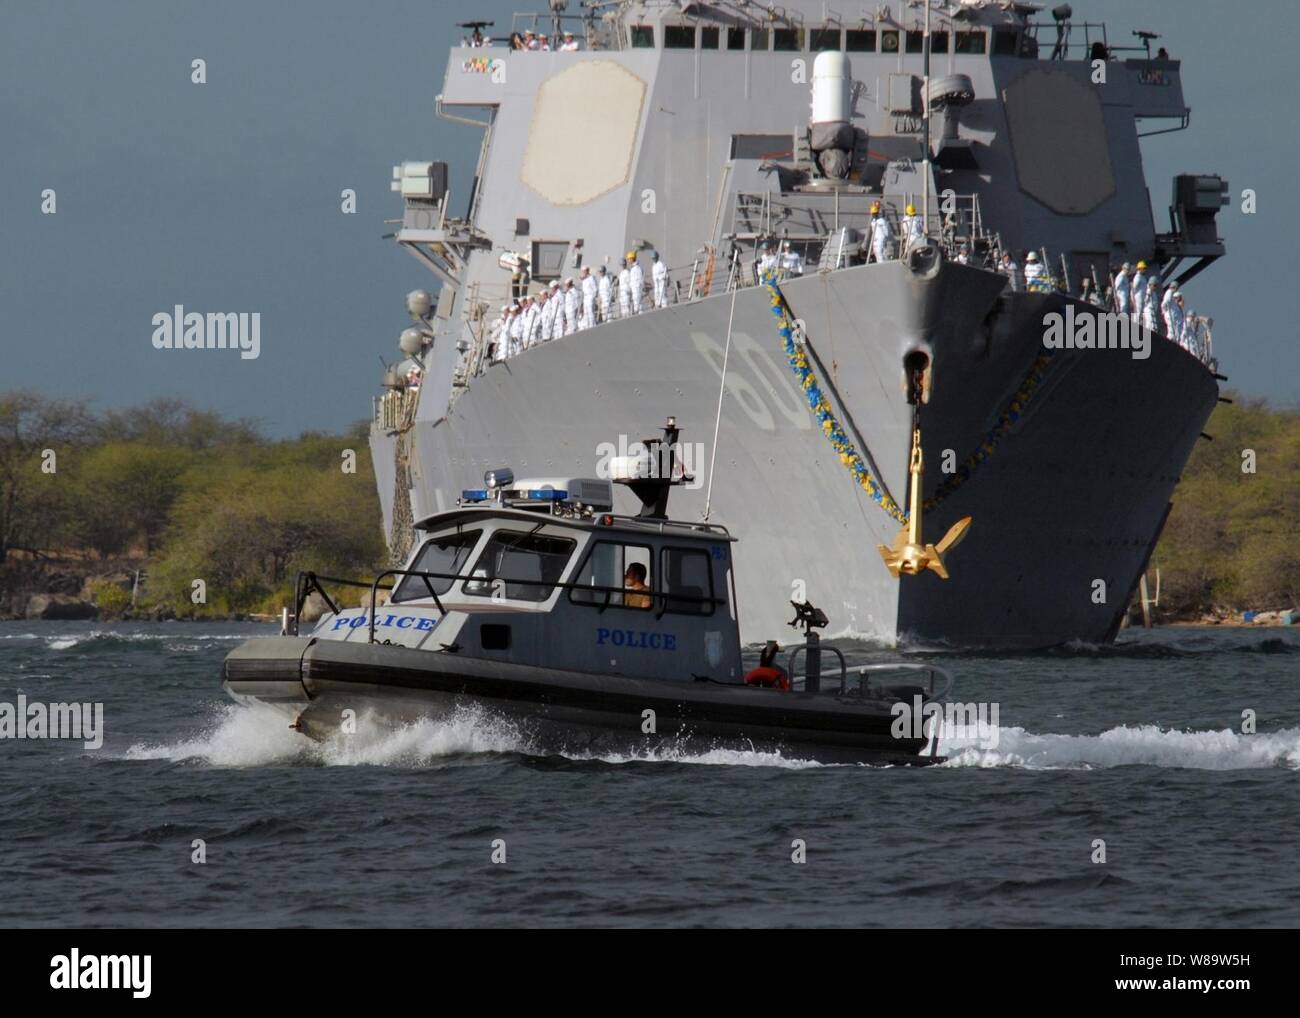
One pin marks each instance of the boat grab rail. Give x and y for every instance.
(821, 647)
(308, 582)
(933, 671)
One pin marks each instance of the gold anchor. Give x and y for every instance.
(909, 555)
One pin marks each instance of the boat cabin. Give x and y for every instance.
(542, 572)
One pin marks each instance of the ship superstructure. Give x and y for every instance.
(733, 138)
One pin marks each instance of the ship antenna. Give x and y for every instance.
(717, 421)
(925, 115)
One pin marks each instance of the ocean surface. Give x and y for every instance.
(1138, 745)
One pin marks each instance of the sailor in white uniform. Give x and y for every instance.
(545, 314)
(624, 291)
(767, 261)
(913, 230)
(570, 44)
(1151, 307)
(1008, 267)
(1034, 271)
(605, 292)
(1123, 287)
(659, 276)
(636, 281)
(1166, 305)
(557, 298)
(572, 300)
(516, 330)
(882, 234)
(589, 292)
(791, 262)
(1138, 297)
(499, 334)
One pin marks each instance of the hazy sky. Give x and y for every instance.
(225, 196)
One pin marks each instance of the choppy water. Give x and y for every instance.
(1137, 744)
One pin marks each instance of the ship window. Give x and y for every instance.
(735, 38)
(916, 42)
(758, 38)
(709, 37)
(1004, 44)
(687, 581)
(444, 554)
(889, 41)
(970, 42)
(787, 40)
(642, 36)
(860, 40)
(822, 39)
(522, 567)
(679, 36)
(601, 580)
(938, 42)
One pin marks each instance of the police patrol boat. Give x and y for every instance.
(884, 157)
(588, 630)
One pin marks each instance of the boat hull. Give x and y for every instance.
(1075, 490)
(315, 681)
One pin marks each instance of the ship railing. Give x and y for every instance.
(839, 237)
(594, 35)
(1074, 40)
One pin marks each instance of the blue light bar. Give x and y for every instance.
(548, 495)
(474, 495)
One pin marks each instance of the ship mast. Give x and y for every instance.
(925, 117)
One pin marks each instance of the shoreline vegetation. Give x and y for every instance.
(164, 511)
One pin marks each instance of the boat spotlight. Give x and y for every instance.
(499, 478)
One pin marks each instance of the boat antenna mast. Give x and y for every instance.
(652, 475)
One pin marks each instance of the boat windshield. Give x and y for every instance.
(522, 567)
(445, 554)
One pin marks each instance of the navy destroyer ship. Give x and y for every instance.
(918, 188)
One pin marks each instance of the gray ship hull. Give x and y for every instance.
(1074, 490)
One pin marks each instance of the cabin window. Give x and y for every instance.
(787, 40)
(822, 39)
(613, 576)
(758, 38)
(916, 42)
(970, 42)
(938, 42)
(1005, 44)
(709, 37)
(642, 36)
(889, 41)
(735, 38)
(679, 36)
(860, 40)
(522, 567)
(445, 554)
(686, 580)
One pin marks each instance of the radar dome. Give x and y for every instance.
(419, 303)
(412, 342)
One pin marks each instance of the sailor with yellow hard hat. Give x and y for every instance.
(1138, 293)
(913, 230)
(636, 280)
(881, 233)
